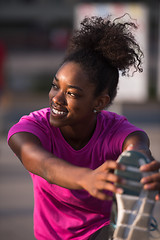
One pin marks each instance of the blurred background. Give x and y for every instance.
(33, 38)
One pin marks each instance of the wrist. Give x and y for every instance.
(66, 175)
(82, 178)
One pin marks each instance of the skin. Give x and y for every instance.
(72, 93)
(72, 102)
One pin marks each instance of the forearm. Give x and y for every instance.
(37, 160)
(64, 174)
(54, 170)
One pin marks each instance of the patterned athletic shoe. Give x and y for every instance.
(135, 205)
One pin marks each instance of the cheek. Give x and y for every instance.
(51, 94)
(72, 105)
(80, 107)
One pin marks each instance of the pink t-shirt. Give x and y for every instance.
(60, 213)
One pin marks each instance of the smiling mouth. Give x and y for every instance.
(58, 112)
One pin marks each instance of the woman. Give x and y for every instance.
(71, 148)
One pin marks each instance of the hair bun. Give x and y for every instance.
(114, 41)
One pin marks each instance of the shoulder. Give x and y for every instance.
(114, 122)
(39, 116)
(36, 123)
(116, 128)
(111, 118)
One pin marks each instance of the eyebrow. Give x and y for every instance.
(70, 86)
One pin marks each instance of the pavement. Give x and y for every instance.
(16, 197)
(16, 192)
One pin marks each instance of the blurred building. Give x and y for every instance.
(36, 32)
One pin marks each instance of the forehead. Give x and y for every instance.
(73, 73)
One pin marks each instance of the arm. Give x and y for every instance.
(139, 141)
(37, 160)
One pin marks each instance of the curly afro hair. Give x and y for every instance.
(103, 48)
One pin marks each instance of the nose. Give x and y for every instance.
(59, 98)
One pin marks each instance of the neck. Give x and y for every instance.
(77, 137)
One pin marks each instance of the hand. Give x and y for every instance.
(102, 178)
(152, 182)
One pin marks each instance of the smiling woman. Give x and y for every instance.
(72, 102)
(71, 148)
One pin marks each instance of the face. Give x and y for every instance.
(71, 97)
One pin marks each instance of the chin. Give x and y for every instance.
(56, 123)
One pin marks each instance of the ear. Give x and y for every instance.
(101, 102)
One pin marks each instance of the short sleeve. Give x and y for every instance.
(35, 123)
(122, 132)
(118, 130)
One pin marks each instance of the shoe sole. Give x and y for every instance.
(135, 205)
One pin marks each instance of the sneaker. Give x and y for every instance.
(135, 205)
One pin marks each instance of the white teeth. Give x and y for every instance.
(57, 112)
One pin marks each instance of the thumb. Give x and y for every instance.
(129, 147)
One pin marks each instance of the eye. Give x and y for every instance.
(71, 94)
(54, 86)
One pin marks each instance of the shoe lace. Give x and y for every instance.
(153, 224)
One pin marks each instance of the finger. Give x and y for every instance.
(152, 178)
(110, 187)
(102, 196)
(152, 186)
(112, 165)
(110, 177)
(153, 166)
